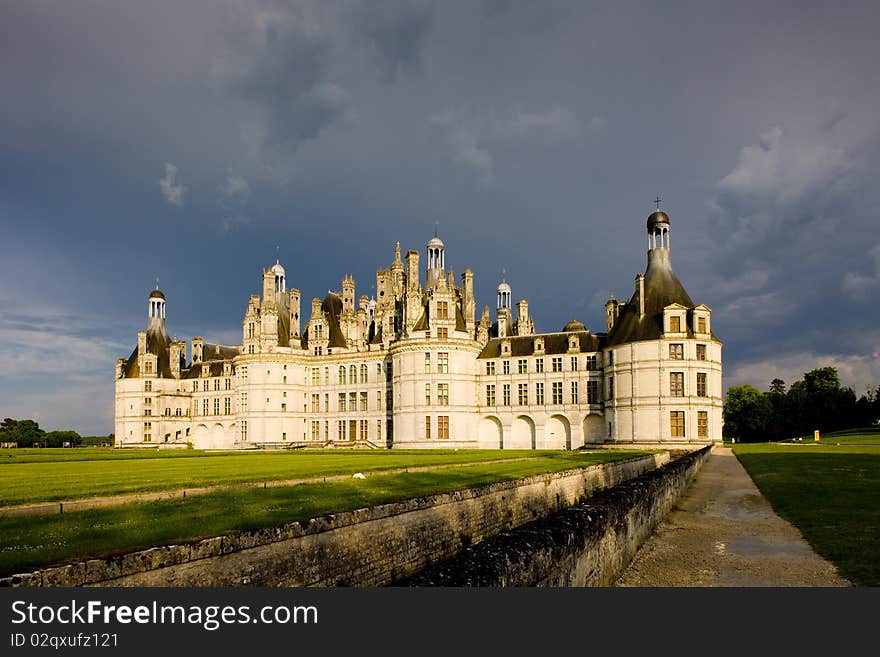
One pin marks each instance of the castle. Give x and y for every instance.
(415, 368)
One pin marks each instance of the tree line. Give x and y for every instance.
(27, 433)
(817, 401)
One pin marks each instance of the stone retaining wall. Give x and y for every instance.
(589, 544)
(366, 547)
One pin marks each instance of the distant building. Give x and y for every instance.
(415, 367)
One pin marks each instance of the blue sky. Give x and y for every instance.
(188, 141)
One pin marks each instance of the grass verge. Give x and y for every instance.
(27, 542)
(830, 492)
(35, 476)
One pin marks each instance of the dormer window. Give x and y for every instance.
(701, 325)
(675, 324)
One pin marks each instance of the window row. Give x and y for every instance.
(591, 363)
(676, 351)
(677, 424)
(206, 385)
(442, 430)
(556, 389)
(676, 384)
(350, 374)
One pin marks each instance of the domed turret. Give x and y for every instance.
(504, 295)
(574, 325)
(436, 260)
(278, 270)
(658, 228)
(156, 303)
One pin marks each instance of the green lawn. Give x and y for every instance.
(32, 541)
(830, 492)
(37, 475)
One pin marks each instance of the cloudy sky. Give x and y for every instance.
(191, 140)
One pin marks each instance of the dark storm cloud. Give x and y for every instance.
(535, 133)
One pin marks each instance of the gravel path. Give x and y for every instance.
(723, 532)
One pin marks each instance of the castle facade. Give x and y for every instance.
(415, 368)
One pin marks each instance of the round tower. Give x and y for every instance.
(658, 230)
(504, 295)
(280, 283)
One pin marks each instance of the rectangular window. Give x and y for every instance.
(326, 376)
(341, 402)
(557, 363)
(522, 366)
(610, 387)
(702, 424)
(676, 351)
(148, 401)
(283, 407)
(574, 364)
(611, 358)
(316, 376)
(442, 333)
(505, 366)
(341, 375)
(204, 407)
(574, 392)
(591, 363)
(443, 394)
(427, 427)
(557, 392)
(676, 424)
(378, 400)
(490, 367)
(675, 324)
(149, 411)
(148, 367)
(195, 386)
(216, 384)
(352, 401)
(443, 362)
(701, 384)
(340, 429)
(378, 429)
(701, 324)
(539, 365)
(490, 394)
(148, 386)
(427, 394)
(316, 430)
(244, 429)
(701, 352)
(244, 405)
(505, 394)
(243, 372)
(326, 403)
(316, 403)
(676, 384)
(539, 393)
(523, 394)
(364, 427)
(363, 401)
(427, 362)
(592, 391)
(442, 310)
(364, 373)
(443, 427)
(227, 405)
(205, 385)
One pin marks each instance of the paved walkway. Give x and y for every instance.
(723, 532)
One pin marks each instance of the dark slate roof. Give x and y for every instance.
(554, 344)
(422, 323)
(195, 370)
(283, 327)
(210, 352)
(332, 307)
(662, 288)
(459, 320)
(157, 344)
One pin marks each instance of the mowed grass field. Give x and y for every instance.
(830, 491)
(31, 541)
(37, 475)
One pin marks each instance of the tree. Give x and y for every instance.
(747, 412)
(777, 387)
(58, 438)
(27, 432)
(8, 425)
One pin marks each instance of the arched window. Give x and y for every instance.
(353, 374)
(342, 374)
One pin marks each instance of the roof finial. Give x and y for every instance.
(657, 201)
(157, 282)
(436, 226)
(277, 249)
(503, 275)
